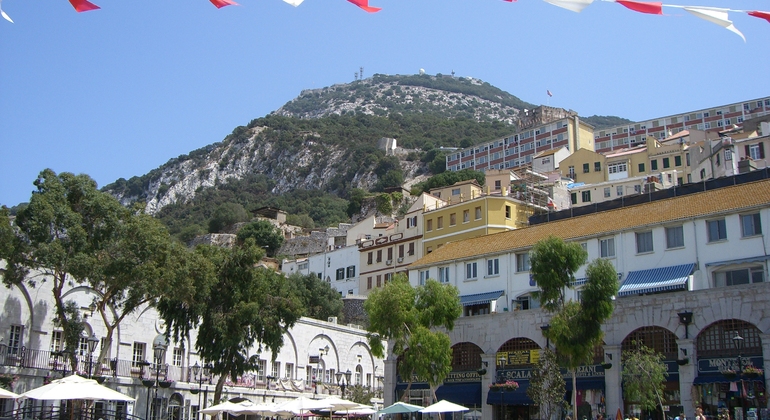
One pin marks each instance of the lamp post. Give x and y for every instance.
(267, 388)
(345, 383)
(738, 341)
(159, 352)
(92, 342)
(196, 369)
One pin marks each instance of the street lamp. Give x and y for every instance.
(267, 388)
(92, 342)
(196, 369)
(738, 341)
(345, 383)
(159, 352)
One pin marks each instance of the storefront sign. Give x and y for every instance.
(590, 371)
(466, 376)
(519, 357)
(719, 364)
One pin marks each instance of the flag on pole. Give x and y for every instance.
(549, 93)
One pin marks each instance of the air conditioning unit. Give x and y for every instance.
(400, 260)
(388, 262)
(332, 319)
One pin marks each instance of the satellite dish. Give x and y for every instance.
(422, 71)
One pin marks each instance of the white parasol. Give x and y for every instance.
(228, 407)
(75, 387)
(5, 394)
(444, 406)
(400, 408)
(299, 406)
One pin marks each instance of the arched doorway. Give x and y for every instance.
(514, 361)
(723, 384)
(175, 407)
(663, 342)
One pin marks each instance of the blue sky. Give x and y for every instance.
(119, 91)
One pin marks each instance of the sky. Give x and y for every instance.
(116, 92)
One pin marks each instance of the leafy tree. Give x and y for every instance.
(575, 326)
(227, 214)
(244, 306)
(302, 220)
(449, 178)
(393, 178)
(546, 386)
(386, 165)
(265, 234)
(359, 394)
(644, 376)
(357, 196)
(318, 297)
(407, 317)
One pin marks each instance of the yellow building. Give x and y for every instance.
(585, 166)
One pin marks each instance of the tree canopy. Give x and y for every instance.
(644, 376)
(319, 299)
(265, 234)
(407, 317)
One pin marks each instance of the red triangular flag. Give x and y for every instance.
(364, 4)
(761, 15)
(651, 7)
(222, 3)
(83, 5)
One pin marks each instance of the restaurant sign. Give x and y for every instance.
(719, 364)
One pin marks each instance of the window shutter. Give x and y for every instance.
(761, 150)
(748, 152)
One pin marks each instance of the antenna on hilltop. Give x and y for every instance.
(453, 73)
(355, 75)
(361, 72)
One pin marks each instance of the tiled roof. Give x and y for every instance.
(718, 201)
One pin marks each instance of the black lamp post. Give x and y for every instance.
(159, 352)
(738, 341)
(345, 383)
(92, 342)
(196, 369)
(685, 318)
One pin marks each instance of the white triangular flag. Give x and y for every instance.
(576, 6)
(715, 15)
(2, 13)
(294, 3)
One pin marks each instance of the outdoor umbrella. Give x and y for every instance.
(475, 414)
(228, 407)
(443, 406)
(300, 405)
(4, 394)
(400, 408)
(342, 406)
(264, 410)
(75, 387)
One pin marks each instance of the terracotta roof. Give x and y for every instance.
(718, 201)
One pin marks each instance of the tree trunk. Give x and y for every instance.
(218, 389)
(574, 395)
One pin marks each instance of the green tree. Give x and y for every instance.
(265, 234)
(244, 306)
(357, 196)
(302, 220)
(226, 215)
(644, 376)
(359, 394)
(407, 317)
(318, 297)
(546, 386)
(575, 325)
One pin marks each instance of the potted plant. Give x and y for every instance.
(729, 373)
(511, 385)
(752, 372)
(165, 383)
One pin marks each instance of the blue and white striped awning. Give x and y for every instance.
(581, 281)
(657, 280)
(760, 258)
(480, 298)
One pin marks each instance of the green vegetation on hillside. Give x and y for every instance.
(601, 122)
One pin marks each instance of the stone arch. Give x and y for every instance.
(514, 348)
(466, 356)
(659, 339)
(717, 339)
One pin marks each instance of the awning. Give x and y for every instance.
(582, 384)
(656, 280)
(415, 385)
(467, 394)
(518, 397)
(718, 378)
(760, 258)
(480, 298)
(583, 280)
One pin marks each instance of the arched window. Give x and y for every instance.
(465, 357)
(717, 340)
(517, 352)
(659, 339)
(359, 375)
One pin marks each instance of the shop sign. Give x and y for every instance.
(719, 364)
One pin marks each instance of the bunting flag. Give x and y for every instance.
(364, 4)
(549, 93)
(222, 3)
(651, 7)
(2, 13)
(761, 15)
(576, 6)
(294, 3)
(83, 5)
(715, 15)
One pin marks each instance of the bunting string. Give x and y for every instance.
(715, 15)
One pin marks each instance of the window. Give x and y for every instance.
(573, 198)
(452, 219)
(470, 271)
(429, 225)
(478, 213)
(493, 267)
(750, 225)
(616, 168)
(637, 189)
(424, 276)
(440, 222)
(606, 192)
(466, 216)
(401, 251)
(619, 190)
(443, 274)
(571, 172)
(379, 255)
(57, 342)
(340, 274)
(597, 166)
(498, 185)
(666, 163)
(525, 303)
(607, 248)
(643, 242)
(177, 356)
(507, 212)
(351, 271)
(755, 151)
(390, 253)
(739, 276)
(14, 339)
(138, 354)
(369, 283)
(289, 369)
(677, 161)
(586, 196)
(522, 262)
(586, 168)
(654, 164)
(674, 237)
(369, 258)
(379, 280)
(717, 231)
(411, 248)
(455, 191)
(388, 277)
(641, 167)
(276, 372)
